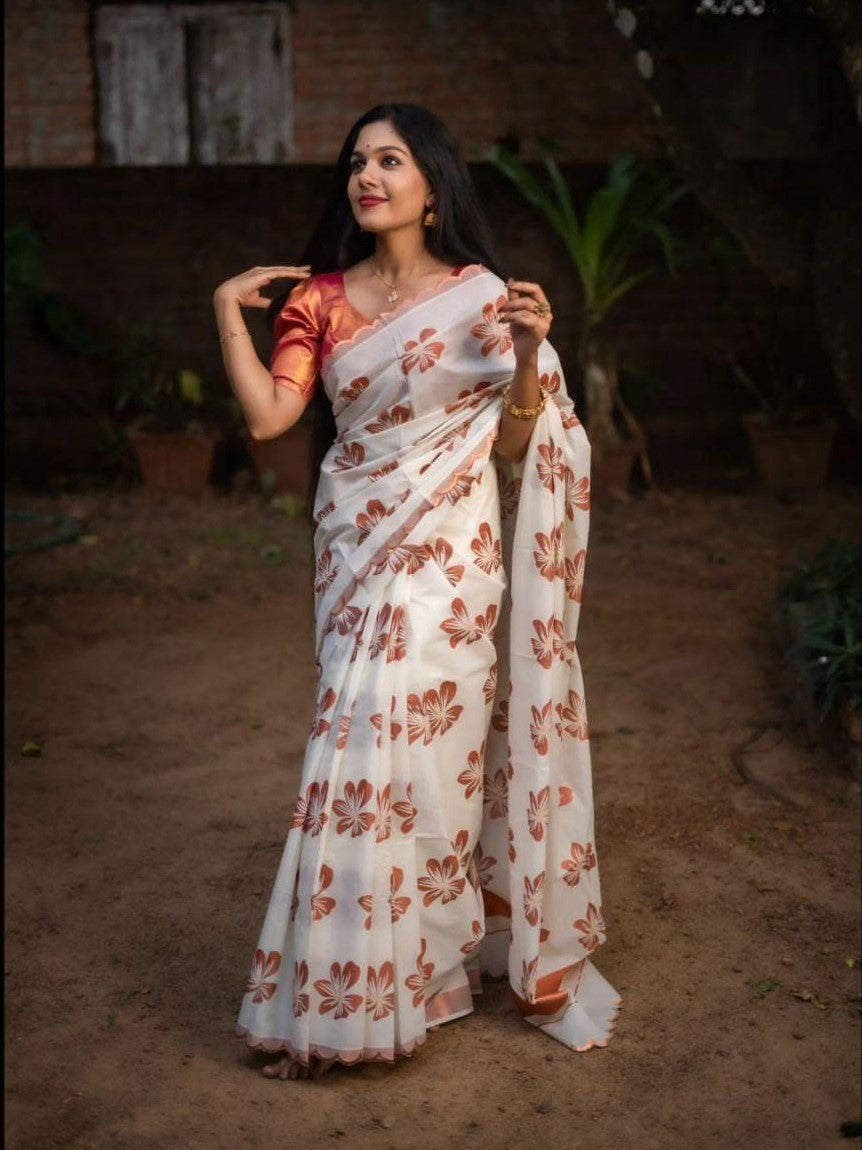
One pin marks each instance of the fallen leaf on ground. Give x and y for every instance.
(809, 996)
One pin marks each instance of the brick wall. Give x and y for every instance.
(490, 68)
(487, 68)
(133, 244)
(49, 109)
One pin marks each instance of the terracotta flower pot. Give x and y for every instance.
(286, 458)
(790, 460)
(174, 461)
(612, 469)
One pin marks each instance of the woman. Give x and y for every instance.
(444, 825)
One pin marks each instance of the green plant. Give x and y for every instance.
(153, 398)
(822, 594)
(55, 322)
(622, 220)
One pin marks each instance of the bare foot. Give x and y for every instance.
(290, 1067)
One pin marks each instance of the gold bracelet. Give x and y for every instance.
(231, 335)
(523, 412)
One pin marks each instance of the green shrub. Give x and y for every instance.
(822, 594)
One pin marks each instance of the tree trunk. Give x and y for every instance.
(601, 389)
(776, 242)
(836, 286)
(773, 239)
(841, 18)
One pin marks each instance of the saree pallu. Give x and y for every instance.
(444, 823)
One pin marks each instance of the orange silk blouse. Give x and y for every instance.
(316, 316)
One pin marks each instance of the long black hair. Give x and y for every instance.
(461, 235)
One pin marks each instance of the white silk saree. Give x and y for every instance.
(444, 824)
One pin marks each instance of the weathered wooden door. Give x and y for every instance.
(195, 84)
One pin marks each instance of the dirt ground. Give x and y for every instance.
(163, 664)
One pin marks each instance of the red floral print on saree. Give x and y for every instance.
(444, 825)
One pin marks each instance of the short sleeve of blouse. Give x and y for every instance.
(298, 332)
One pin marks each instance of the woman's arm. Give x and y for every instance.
(269, 409)
(515, 434)
(529, 313)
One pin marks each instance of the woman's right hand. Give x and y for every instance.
(245, 288)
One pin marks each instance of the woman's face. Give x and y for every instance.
(386, 189)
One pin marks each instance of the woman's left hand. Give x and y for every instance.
(527, 327)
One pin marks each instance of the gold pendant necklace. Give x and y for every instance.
(393, 290)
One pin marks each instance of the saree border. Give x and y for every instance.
(347, 1057)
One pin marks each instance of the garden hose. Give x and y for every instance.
(68, 529)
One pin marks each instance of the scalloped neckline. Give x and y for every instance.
(454, 275)
(369, 328)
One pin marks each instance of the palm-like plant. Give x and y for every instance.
(621, 220)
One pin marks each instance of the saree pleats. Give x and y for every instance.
(444, 824)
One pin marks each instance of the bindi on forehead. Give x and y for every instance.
(379, 138)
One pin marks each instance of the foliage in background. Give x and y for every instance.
(780, 365)
(641, 389)
(822, 594)
(619, 223)
(152, 398)
(807, 244)
(52, 321)
(26, 299)
(148, 394)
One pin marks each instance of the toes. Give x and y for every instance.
(291, 1068)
